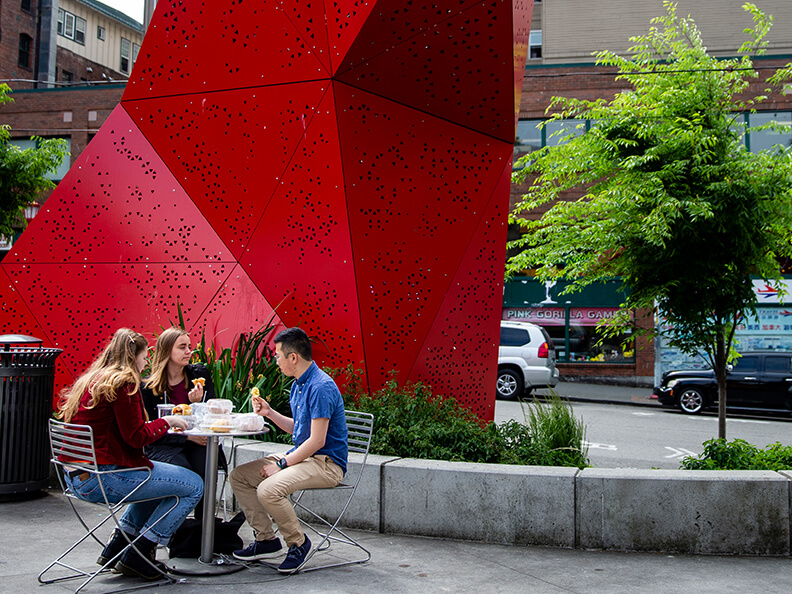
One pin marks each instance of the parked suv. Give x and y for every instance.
(526, 359)
(758, 380)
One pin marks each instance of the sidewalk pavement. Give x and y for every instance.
(603, 394)
(35, 531)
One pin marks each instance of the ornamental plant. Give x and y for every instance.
(412, 422)
(739, 455)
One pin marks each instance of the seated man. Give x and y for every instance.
(318, 458)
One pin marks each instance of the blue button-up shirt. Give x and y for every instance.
(314, 395)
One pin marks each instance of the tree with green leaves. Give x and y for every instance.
(22, 173)
(673, 204)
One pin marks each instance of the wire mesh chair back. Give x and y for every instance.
(360, 427)
(75, 442)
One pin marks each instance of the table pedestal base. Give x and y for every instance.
(218, 566)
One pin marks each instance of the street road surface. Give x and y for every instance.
(644, 437)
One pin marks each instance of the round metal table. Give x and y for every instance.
(209, 563)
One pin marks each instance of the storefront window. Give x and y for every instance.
(586, 342)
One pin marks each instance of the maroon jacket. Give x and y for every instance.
(120, 429)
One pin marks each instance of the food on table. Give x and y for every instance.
(249, 422)
(219, 406)
(221, 426)
(182, 409)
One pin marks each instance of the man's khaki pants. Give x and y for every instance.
(264, 500)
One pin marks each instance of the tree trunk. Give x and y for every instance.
(720, 375)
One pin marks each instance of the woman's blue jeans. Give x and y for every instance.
(166, 481)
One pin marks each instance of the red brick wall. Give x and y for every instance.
(78, 66)
(13, 22)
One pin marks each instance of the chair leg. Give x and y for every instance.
(326, 538)
(91, 533)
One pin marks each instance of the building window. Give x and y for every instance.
(535, 45)
(100, 33)
(125, 47)
(71, 26)
(67, 76)
(79, 30)
(780, 136)
(24, 50)
(529, 139)
(27, 6)
(135, 50)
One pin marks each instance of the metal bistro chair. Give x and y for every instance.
(359, 426)
(77, 442)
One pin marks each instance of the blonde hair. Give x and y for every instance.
(115, 368)
(158, 380)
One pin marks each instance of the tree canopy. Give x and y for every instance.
(22, 173)
(673, 203)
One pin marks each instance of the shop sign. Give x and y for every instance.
(767, 293)
(555, 316)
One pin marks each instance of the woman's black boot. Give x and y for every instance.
(132, 564)
(117, 544)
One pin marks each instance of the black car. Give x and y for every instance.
(758, 380)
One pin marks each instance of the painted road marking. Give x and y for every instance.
(599, 446)
(643, 414)
(729, 420)
(679, 453)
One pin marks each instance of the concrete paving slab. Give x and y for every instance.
(35, 531)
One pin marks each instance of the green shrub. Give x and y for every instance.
(739, 455)
(411, 422)
(248, 363)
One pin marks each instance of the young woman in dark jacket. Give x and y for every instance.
(172, 382)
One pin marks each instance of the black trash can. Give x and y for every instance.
(27, 381)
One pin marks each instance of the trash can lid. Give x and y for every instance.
(19, 339)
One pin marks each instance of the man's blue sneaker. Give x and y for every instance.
(295, 556)
(260, 549)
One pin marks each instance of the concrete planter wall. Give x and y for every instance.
(675, 511)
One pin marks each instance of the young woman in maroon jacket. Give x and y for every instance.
(107, 397)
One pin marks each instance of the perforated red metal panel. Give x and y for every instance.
(476, 287)
(345, 20)
(394, 22)
(119, 203)
(16, 318)
(237, 307)
(437, 71)
(413, 207)
(229, 149)
(201, 46)
(300, 256)
(243, 176)
(80, 305)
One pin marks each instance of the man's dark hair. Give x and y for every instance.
(295, 340)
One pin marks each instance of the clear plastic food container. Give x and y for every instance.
(219, 406)
(217, 423)
(248, 422)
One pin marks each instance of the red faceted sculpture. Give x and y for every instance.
(343, 165)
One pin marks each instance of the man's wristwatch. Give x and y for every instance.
(282, 463)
